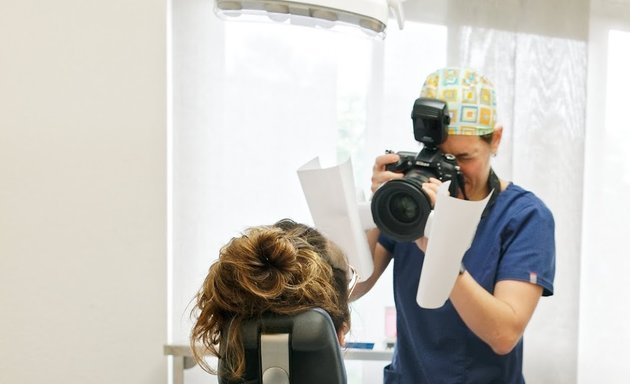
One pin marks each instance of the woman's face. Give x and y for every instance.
(473, 157)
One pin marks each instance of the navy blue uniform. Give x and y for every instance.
(514, 241)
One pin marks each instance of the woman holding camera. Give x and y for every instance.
(476, 337)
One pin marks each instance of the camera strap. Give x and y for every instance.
(494, 184)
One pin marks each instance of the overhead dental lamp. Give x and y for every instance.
(369, 15)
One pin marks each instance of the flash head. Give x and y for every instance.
(430, 121)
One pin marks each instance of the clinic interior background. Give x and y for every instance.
(137, 137)
(254, 102)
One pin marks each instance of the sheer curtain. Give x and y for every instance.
(543, 113)
(251, 103)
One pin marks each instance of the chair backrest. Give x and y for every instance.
(300, 349)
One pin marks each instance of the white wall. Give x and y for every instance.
(82, 191)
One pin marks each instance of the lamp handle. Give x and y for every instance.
(397, 9)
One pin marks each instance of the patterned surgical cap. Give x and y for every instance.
(470, 97)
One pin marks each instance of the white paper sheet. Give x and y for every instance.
(453, 228)
(331, 198)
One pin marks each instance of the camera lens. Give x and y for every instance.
(403, 208)
(400, 208)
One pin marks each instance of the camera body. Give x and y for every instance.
(419, 167)
(400, 208)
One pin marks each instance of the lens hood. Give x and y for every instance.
(400, 209)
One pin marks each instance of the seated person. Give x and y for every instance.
(285, 269)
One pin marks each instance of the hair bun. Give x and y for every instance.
(261, 264)
(272, 248)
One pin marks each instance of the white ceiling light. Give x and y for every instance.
(370, 15)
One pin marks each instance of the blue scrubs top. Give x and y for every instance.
(514, 241)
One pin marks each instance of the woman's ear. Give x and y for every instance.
(341, 333)
(497, 134)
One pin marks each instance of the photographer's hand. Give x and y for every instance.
(379, 174)
(422, 243)
(431, 188)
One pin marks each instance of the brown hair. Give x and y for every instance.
(487, 137)
(285, 269)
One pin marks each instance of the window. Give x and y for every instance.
(254, 102)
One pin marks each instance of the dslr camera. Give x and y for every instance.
(400, 207)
